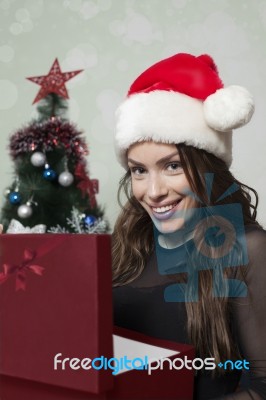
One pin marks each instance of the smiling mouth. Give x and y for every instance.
(166, 212)
(161, 210)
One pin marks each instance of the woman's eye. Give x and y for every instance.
(137, 170)
(174, 166)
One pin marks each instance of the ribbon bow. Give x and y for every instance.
(16, 227)
(20, 270)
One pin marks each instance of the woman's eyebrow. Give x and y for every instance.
(135, 162)
(166, 158)
(162, 160)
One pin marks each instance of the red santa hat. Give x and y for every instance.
(182, 100)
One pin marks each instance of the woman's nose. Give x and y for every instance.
(156, 187)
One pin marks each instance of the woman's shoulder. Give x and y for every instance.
(255, 238)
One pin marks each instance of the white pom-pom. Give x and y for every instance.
(228, 108)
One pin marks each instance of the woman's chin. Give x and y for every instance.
(169, 226)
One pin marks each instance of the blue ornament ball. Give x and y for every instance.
(90, 220)
(49, 174)
(14, 198)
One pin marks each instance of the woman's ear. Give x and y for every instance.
(1, 228)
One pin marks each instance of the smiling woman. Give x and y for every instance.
(188, 252)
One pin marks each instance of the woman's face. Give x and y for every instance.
(160, 184)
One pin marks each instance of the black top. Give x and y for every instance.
(141, 306)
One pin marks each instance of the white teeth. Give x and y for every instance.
(164, 209)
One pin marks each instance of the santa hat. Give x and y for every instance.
(182, 100)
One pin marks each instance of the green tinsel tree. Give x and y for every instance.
(51, 183)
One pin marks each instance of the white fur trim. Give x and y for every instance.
(228, 108)
(167, 117)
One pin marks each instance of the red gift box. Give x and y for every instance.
(55, 297)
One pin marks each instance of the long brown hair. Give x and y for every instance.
(207, 319)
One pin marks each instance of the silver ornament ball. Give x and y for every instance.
(65, 178)
(38, 159)
(7, 192)
(24, 211)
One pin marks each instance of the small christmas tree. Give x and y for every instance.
(51, 185)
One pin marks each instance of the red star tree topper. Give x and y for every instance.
(53, 82)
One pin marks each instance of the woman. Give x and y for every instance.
(188, 253)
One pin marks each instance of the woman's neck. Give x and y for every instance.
(174, 239)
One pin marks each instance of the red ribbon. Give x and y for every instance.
(27, 263)
(86, 185)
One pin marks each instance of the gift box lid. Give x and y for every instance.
(160, 380)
